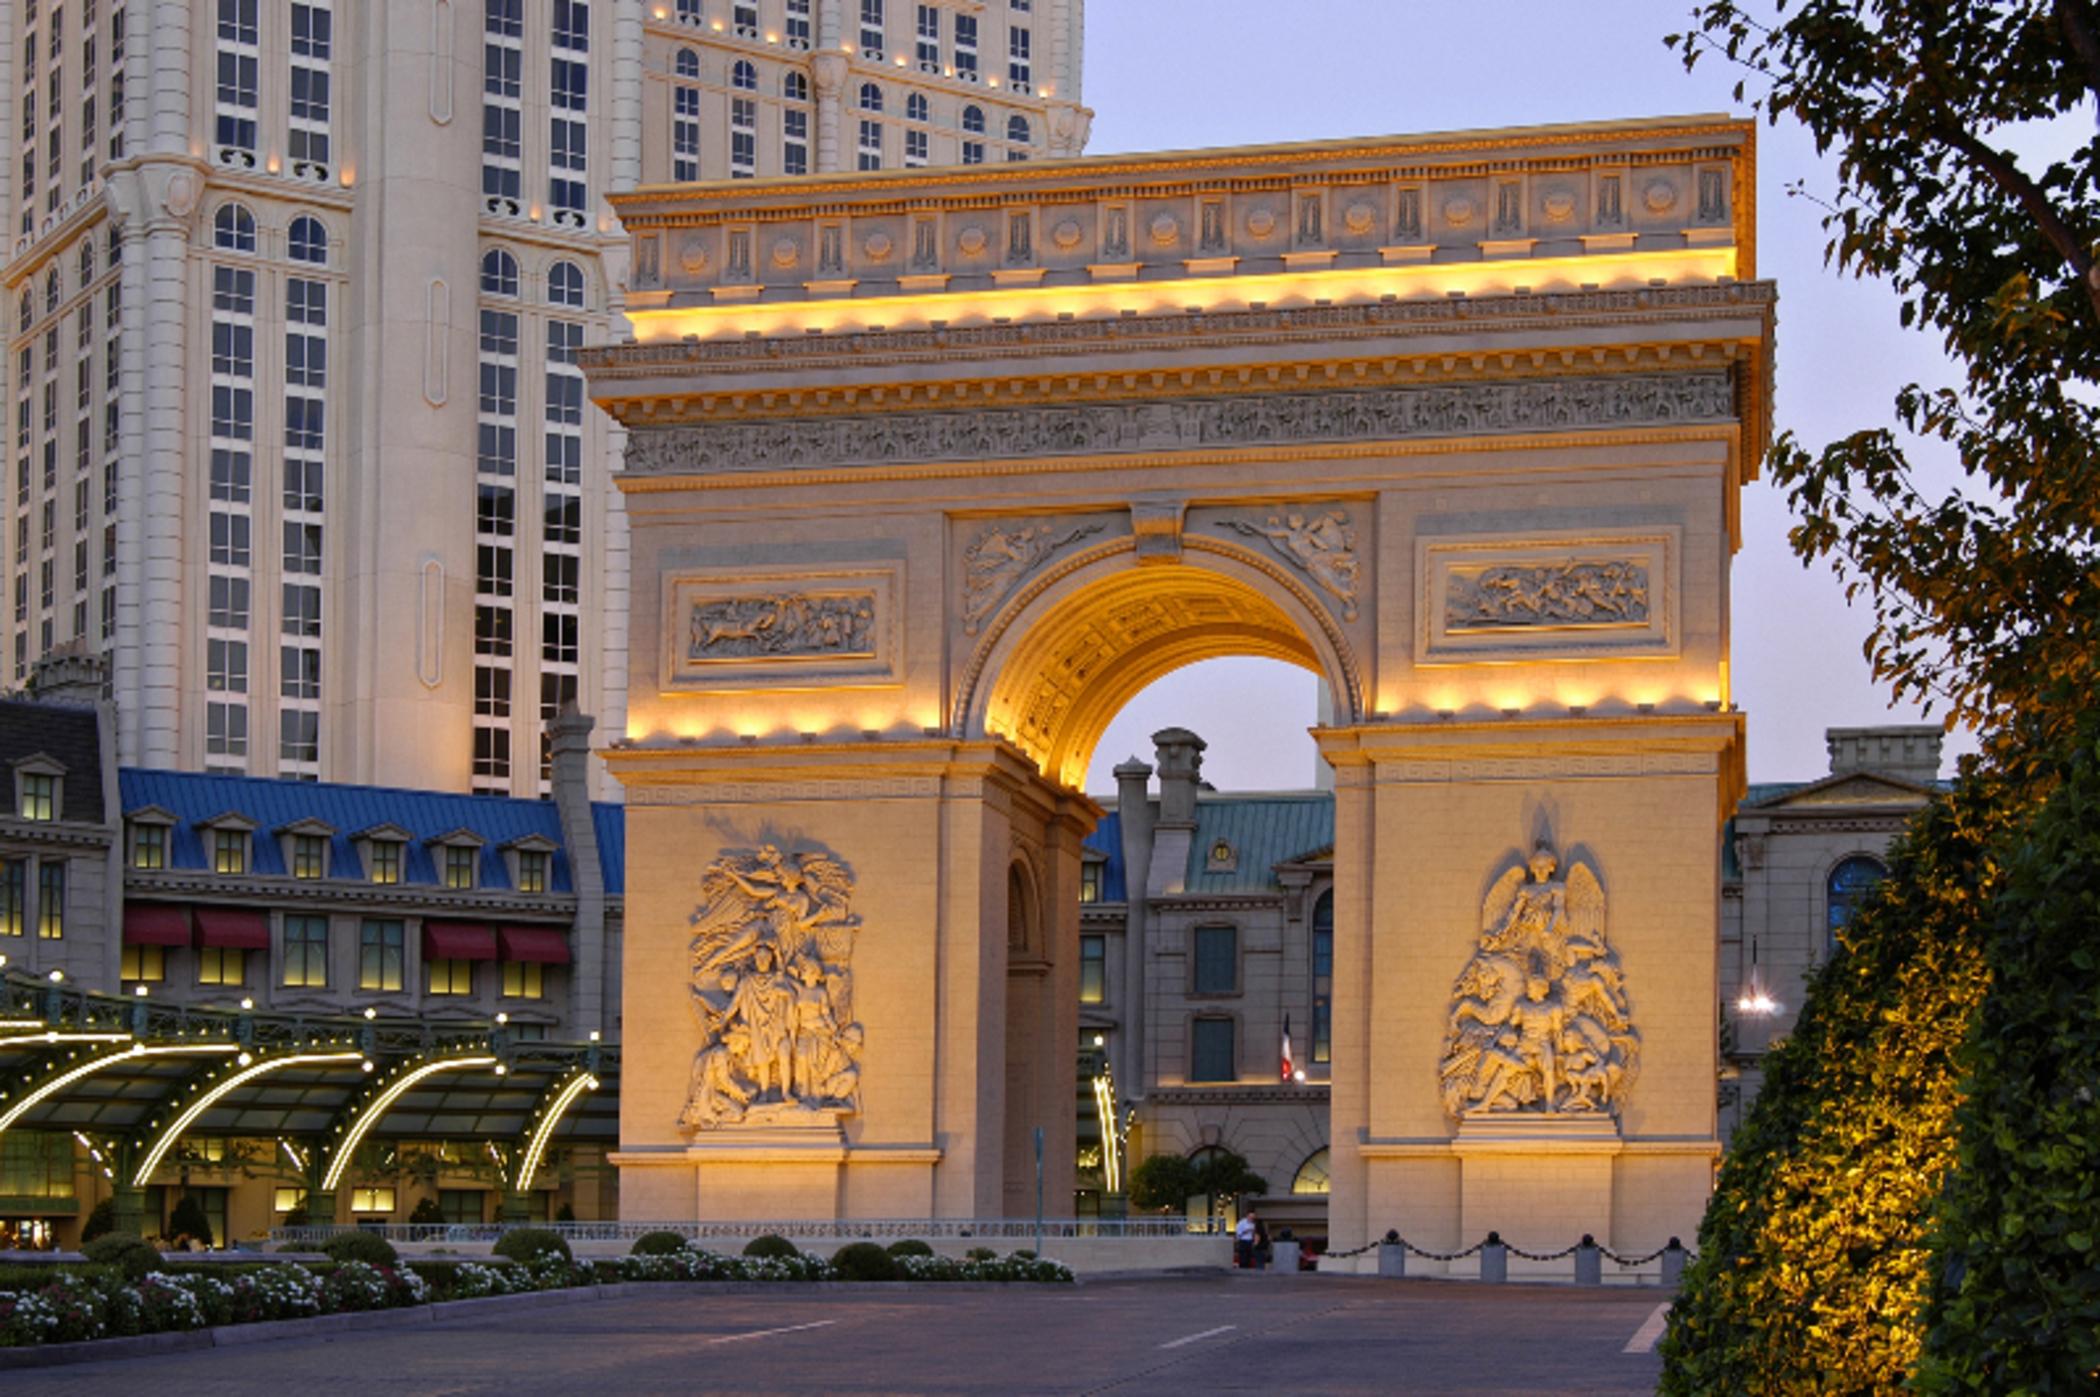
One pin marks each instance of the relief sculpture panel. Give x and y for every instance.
(1609, 593)
(1490, 598)
(785, 624)
(726, 628)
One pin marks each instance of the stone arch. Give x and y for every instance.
(1071, 648)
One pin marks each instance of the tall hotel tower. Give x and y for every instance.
(299, 443)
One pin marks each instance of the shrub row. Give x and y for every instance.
(60, 1304)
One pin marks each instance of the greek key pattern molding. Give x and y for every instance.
(1617, 400)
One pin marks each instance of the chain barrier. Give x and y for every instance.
(1495, 1239)
(1542, 1256)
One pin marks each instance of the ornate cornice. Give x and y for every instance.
(409, 899)
(611, 365)
(1309, 1094)
(1620, 400)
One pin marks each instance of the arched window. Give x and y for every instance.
(309, 241)
(870, 97)
(1850, 883)
(233, 228)
(499, 273)
(51, 291)
(1312, 1175)
(565, 284)
(28, 316)
(743, 77)
(795, 87)
(1020, 912)
(687, 63)
(87, 260)
(917, 108)
(973, 120)
(1017, 130)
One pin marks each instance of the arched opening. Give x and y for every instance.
(1256, 714)
(1060, 665)
(1028, 1037)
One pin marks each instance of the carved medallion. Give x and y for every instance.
(1660, 196)
(1261, 223)
(1322, 546)
(771, 982)
(973, 242)
(878, 247)
(1539, 1019)
(1459, 210)
(785, 253)
(1610, 593)
(1358, 218)
(1003, 554)
(1559, 206)
(1067, 234)
(692, 254)
(1166, 229)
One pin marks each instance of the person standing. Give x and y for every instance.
(1243, 1242)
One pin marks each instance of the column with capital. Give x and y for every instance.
(828, 73)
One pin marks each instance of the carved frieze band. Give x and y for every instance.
(766, 792)
(735, 626)
(782, 625)
(1618, 400)
(1496, 597)
(1612, 593)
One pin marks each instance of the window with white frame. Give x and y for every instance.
(870, 145)
(237, 56)
(928, 50)
(966, 47)
(230, 518)
(685, 118)
(569, 131)
(871, 38)
(495, 522)
(743, 138)
(1018, 68)
(312, 49)
(798, 24)
(794, 126)
(973, 126)
(743, 17)
(1018, 137)
(305, 451)
(502, 106)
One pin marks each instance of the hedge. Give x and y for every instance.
(1812, 1266)
(2017, 1306)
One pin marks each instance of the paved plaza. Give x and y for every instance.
(1250, 1333)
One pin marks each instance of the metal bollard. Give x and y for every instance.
(1589, 1262)
(1673, 1264)
(1392, 1256)
(1494, 1259)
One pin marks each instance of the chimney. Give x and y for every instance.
(1908, 753)
(70, 675)
(1180, 775)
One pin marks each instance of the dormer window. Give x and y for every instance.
(229, 851)
(383, 861)
(458, 859)
(149, 846)
(459, 866)
(1223, 858)
(532, 870)
(37, 797)
(1090, 881)
(309, 856)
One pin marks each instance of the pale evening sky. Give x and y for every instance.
(1173, 74)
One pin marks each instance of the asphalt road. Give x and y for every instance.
(1271, 1334)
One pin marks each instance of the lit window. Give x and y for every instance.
(309, 856)
(222, 965)
(284, 1198)
(306, 952)
(143, 964)
(149, 846)
(14, 895)
(1217, 960)
(51, 899)
(1093, 969)
(1850, 883)
(1323, 978)
(1312, 1175)
(523, 979)
(459, 865)
(38, 799)
(1212, 1055)
(380, 954)
(371, 1200)
(384, 856)
(229, 851)
(532, 870)
(1090, 881)
(451, 977)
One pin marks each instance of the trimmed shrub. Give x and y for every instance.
(769, 1246)
(367, 1247)
(101, 1221)
(131, 1256)
(657, 1244)
(467, 1280)
(980, 1254)
(2016, 1307)
(864, 1261)
(426, 1211)
(530, 1244)
(187, 1220)
(1812, 1266)
(910, 1246)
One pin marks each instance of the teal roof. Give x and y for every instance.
(1263, 830)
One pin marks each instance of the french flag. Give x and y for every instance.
(1287, 1073)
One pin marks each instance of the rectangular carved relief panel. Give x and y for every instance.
(1484, 598)
(794, 628)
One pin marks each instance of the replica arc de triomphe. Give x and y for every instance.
(929, 472)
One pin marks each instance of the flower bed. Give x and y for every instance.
(76, 1303)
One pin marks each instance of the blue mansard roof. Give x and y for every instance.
(194, 797)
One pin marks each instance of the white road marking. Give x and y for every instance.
(1643, 1340)
(1192, 1338)
(764, 1333)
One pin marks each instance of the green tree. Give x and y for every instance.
(1162, 1182)
(1985, 596)
(187, 1219)
(1224, 1174)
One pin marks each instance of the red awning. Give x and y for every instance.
(544, 944)
(236, 928)
(156, 924)
(458, 941)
